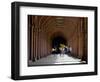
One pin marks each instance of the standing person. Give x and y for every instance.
(69, 50)
(62, 49)
(66, 49)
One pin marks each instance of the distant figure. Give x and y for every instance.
(69, 50)
(53, 50)
(58, 50)
(66, 49)
(62, 49)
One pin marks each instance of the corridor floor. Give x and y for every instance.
(56, 59)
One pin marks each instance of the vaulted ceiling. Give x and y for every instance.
(51, 24)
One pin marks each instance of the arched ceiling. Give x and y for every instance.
(52, 24)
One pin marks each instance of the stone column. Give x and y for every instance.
(32, 27)
(29, 37)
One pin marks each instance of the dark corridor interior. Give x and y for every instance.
(56, 41)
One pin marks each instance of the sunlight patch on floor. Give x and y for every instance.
(56, 59)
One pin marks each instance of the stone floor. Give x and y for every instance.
(57, 59)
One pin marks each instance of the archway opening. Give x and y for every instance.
(56, 43)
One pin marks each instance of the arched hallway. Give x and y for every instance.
(49, 36)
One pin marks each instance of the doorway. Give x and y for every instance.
(56, 42)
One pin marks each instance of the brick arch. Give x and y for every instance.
(58, 33)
